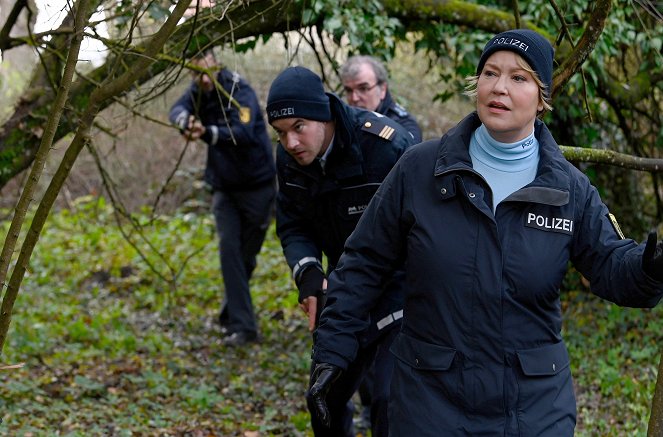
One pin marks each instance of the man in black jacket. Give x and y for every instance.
(330, 161)
(221, 109)
(365, 85)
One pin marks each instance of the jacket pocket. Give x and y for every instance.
(544, 361)
(422, 355)
(431, 372)
(545, 399)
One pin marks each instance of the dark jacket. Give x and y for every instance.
(317, 210)
(480, 350)
(397, 113)
(239, 155)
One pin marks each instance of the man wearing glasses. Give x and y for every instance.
(365, 85)
(221, 109)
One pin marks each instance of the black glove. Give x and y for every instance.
(324, 374)
(652, 258)
(310, 283)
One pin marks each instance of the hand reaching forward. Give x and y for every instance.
(652, 258)
(312, 306)
(324, 374)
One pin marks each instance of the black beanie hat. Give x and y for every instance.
(534, 48)
(297, 92)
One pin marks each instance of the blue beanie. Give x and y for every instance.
(297, 92)
(534, 48)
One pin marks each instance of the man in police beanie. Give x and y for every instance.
(330, 161)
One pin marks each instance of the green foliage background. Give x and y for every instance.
(111, 348)
(123, 342)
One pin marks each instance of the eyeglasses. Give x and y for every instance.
(361, 89)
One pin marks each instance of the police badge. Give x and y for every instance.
(244, 114)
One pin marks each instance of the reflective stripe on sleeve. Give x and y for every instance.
(215, 134)
(388, 320)
(298, 268)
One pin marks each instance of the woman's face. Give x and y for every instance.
(507, 98)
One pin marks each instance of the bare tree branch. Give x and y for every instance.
(9, 24)
(609, 157)
(585, 46)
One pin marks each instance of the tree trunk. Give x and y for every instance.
(655, 428)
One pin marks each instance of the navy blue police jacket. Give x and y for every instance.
(240, 154)
(400, 115)
(316, 209)
(480, 350)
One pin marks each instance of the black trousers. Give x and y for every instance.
(341, 391)
(242, 218)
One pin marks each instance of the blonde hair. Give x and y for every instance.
(473, 81)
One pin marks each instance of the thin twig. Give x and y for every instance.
(516, 13)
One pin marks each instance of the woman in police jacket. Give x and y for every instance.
(486, 220)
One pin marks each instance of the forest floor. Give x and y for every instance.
(120, 339)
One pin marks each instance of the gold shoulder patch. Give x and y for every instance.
(615, 225)
(377, 127)
(244, 114)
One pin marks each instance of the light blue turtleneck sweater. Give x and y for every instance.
(507, 167)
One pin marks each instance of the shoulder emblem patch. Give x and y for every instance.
(244, 114)
(379, 129)
(615, 225)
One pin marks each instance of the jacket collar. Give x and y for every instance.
(346, 159)
(343, 115)
(552, 182)
(453, 153)
(385, 104)
(552, 171)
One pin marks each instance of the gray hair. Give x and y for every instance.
(350, 69)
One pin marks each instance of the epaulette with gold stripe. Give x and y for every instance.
(377, 127)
